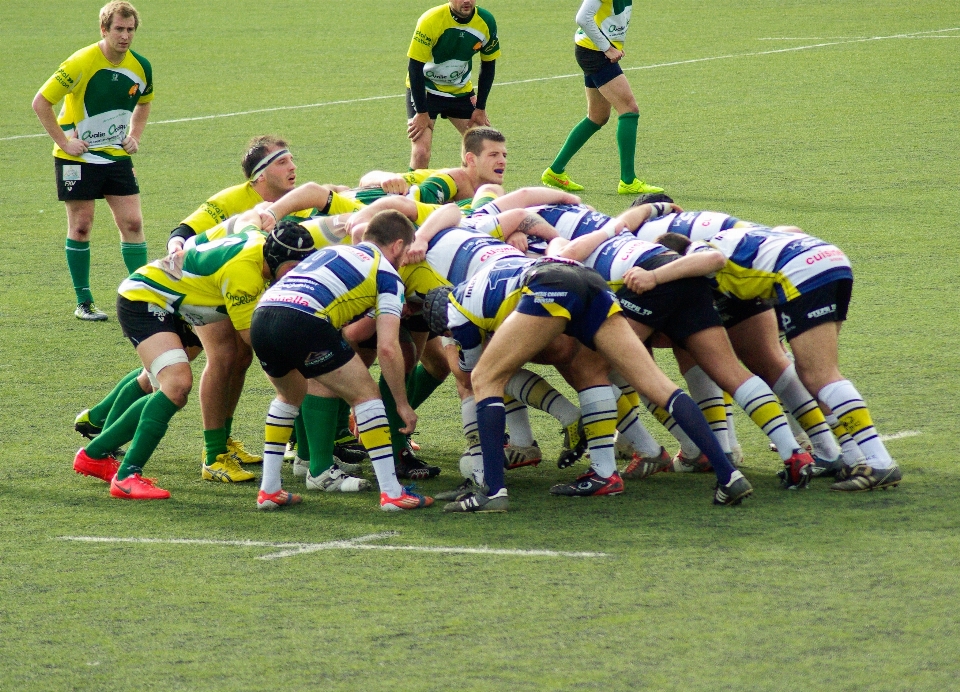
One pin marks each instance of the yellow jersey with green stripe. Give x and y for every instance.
(340, 283)
(446, 44)
(611, 18)
(210, 282)
(98, 101)
(243, 197)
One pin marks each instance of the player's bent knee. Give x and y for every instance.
(178, 387)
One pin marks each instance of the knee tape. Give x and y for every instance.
(171, 357)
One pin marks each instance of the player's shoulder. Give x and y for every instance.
(236, 193)
(84, 57)
(144, 64)
(435, 15)
(487, 17)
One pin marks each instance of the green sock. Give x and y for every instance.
(420, 385)
(343, 422)
(129, 395)
(134, 255)
(214, 444)
(228, 426)
(98, 414)
(303, 443)
(118, 433)
(320, 423)
(397, 439)
(627, 145)
(584, 130)
(78, 262)
(157, 412)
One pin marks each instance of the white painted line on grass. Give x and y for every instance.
(917, 34)
(359, 543)
(900, 435)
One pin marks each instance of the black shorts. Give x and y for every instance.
(676, 308)
(139, 321)
(578, 294)
(460, 107)
(597, 68)
(828, 303)
(286, 339)
(78, 180)
(733, 311)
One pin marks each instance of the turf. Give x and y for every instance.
(851, 135)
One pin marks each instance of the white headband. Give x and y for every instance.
(266, 161)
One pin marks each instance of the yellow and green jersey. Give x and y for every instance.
(610, 20)
(98, 101)
(210, 282)
(320, 231)
(446, 45)
(240, 198)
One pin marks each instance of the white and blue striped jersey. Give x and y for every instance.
(614, 257)
(340, 283)
(775, 265)
(696, 225)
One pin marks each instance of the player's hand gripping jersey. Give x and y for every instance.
(446, 47)
(570, 220)
(207, 283)
(318, 227)
(340, 283)
(453, 256)
(774, 265)
(614, 257)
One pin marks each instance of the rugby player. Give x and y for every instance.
(296, 337)
(215, 286)
(107, 90)
(483, 156)
(439, 72)
(810, 282)
(753, 331)
(683, 310)
(599, 48)
(512, 310)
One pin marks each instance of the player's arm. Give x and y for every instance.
(447, 216)
(584, 246)
(390, 357)
(138, 121)
(44, 110)
(587, 21)
(526, 222)
(488, 69)
(392, 183)
(534, 196)
(635, 217)
(307, 196)
(696, 264)
(420, 122)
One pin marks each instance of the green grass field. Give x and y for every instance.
(838, 117)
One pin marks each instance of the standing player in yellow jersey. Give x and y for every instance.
(599, 49)
(106, 90)
(438, 74)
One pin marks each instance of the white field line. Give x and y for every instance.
(900, 435)
(536, 79)
(360, 543)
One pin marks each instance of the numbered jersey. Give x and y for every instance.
(207, 283)
(453, 256)
(776, 266)
(340, 283)
(696, 225)
(614, 257)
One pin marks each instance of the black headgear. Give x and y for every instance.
(651, 198)
(288, 242)
(435, 308)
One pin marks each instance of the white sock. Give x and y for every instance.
(518, 423)
(369, 416)
(849, 407)
(280, 419)
(798, 401)
(709, 398)
(756, 398)
(599, 410)
(535, 391)
(687, 446)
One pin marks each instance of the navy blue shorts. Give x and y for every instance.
(828, 303)
(286, 339)
(597, 68)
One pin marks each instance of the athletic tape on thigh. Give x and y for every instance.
(171, 357)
